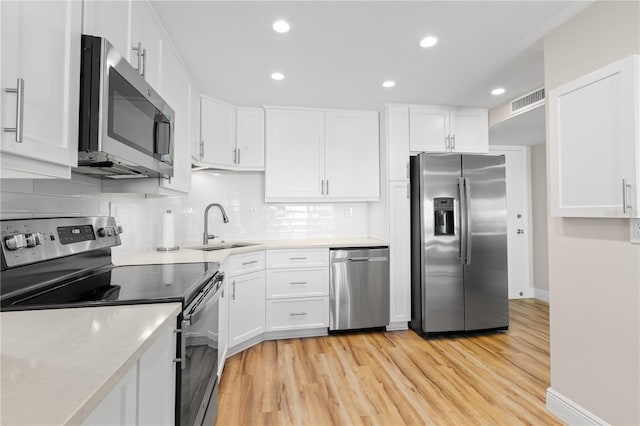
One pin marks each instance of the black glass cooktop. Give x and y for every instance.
(117, 285)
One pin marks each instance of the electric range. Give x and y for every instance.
(54, 263)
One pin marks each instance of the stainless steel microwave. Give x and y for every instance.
(126, 128)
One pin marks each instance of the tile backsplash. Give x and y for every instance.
(241, 193)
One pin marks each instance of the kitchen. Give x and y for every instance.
(582, 253)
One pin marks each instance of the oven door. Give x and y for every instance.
(199, 355)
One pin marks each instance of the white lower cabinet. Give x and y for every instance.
(294, 314)
(146, 394)
(400, 251)
(297, 289)
(246, 307)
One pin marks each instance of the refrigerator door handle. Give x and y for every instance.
(462, 214)
(467, 213)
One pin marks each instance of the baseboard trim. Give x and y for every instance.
(541, 294)
(570, 412)
(398, 325)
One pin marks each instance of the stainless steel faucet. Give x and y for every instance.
(206, 237)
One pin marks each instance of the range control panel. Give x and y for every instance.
(27, 241)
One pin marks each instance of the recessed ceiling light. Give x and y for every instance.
(428, 41)
(388, 84)
(277, 76)
(281, 26)
(497, 91)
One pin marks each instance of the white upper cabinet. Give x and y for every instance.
(594, 146)
(146, 43)
(218, 133)
(321, 156)
(445, 129)
(44, 109)
(396, 125)
(232, 137)
(109, 19)
(250, 138)
(294, 162)
(351, 155)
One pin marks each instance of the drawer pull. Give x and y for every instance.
(297, 282)
(297, 314)
(249, 263)
(297, 258)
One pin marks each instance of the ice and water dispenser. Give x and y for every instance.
(443, 216)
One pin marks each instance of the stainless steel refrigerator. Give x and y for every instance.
(458, 243)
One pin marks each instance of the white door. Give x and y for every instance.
(146, 30)
(518, 219)
(246, 307)
(40, 46)
(218, 132)
(250, 138)
(400, 251)
(109, 19)
(175, 90)
(469, 130)
(428, 128)
(294, 154)
(351, 150)
(397, 129)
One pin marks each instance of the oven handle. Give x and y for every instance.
(208, 294)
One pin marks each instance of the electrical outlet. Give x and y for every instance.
(634, 231)
(347, 211)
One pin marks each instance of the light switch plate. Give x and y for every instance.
(634, 231)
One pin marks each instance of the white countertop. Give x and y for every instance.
(58, 364)
(188, 252)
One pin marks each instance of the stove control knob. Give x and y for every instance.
(30, 239)
(39, 238)
(109, 231)
(102, 232)
(15, 242)
(120, 230)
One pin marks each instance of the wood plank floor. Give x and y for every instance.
(395, 378)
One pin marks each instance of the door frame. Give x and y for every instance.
(526, 188)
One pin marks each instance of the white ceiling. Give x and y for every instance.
(338, 53)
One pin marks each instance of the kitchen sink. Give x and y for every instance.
(223, 246)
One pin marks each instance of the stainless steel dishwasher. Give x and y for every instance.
(359, 288)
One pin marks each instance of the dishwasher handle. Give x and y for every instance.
(367, 259)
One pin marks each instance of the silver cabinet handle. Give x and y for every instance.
(297, 258)
(520, 231)
(201, 149)
(625, 196)
(249, 263)
(235, 156)
(408, 171)
(322, 187)
(19, 90)
(144, 62)
(447, 143)
(233, 294)
(238, 156)
(408, 190)
(453, 143)
(327, 186)
(138, 49)
(297, 282)
(297, 314)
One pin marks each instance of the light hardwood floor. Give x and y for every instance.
(395, 378)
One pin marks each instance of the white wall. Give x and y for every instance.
(594, 272)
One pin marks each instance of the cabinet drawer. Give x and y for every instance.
(286, 283)
(245, 262)
(292, 314)
(297, 258)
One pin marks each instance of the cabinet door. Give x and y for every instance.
(145, 29)
(157, 381)
(218, 132)
(398, 142)
(469, 130)
(120, 405)
(294, 166)
(250, 138)
(399, 252)
(428, 128)
(109, 19)
(593, 132)
(246, 307)
(351, 149)
(41, 46)
(175, 90)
